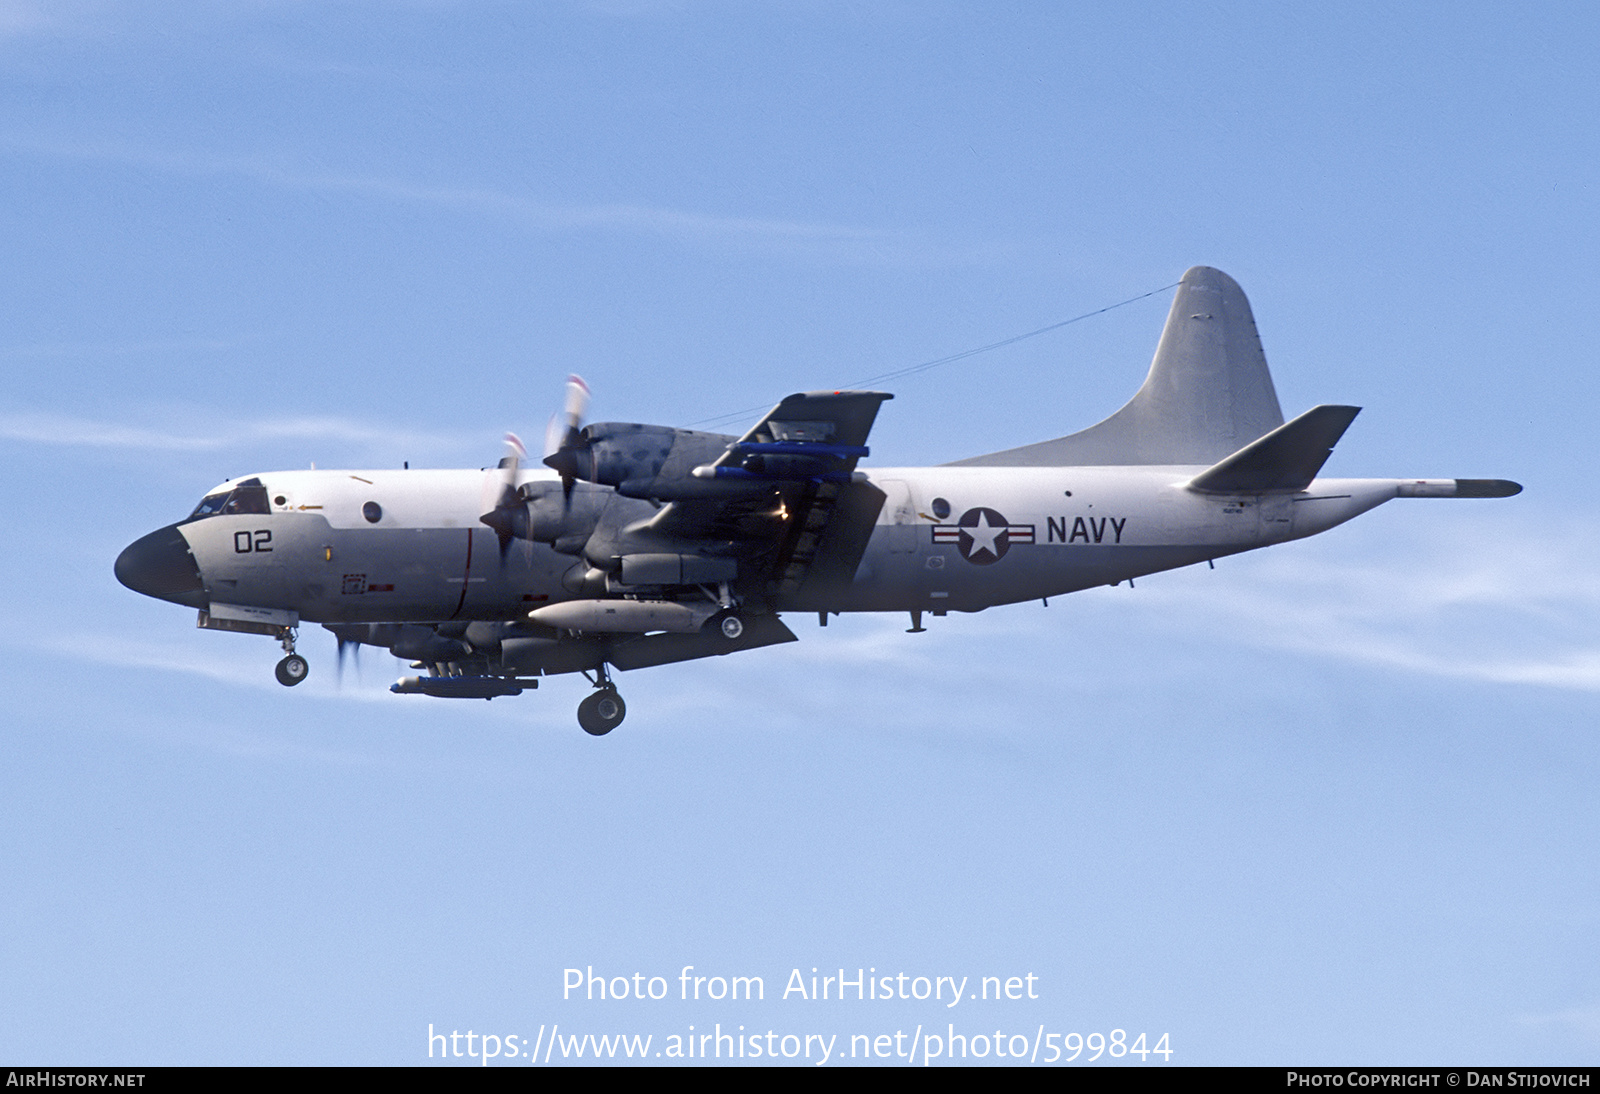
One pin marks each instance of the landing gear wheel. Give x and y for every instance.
(602, 712)
(726, 623)
(291, 670)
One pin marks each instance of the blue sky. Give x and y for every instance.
(1329, 803)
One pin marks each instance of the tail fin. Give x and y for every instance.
(1208, 393)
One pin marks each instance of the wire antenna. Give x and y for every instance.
(912, 370)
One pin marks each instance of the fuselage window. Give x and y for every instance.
(372, 511)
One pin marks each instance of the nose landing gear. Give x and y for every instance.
(603, 711)
(293, 668)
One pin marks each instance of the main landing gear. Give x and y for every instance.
(293, 668)
(604, 710)
(727, 623)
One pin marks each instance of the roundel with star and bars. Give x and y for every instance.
(982, 535)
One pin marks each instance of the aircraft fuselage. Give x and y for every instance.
(408, 546)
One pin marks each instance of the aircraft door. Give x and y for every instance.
(897, 573)
(898, 519)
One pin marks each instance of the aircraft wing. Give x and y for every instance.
(814, 427)
(791, 510)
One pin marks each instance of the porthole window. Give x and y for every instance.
(941, 508)
(372, 511)
(280, 500)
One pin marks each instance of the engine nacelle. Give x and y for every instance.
(550, 516)
(651, 459)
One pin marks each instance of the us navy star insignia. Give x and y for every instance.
(982, 535)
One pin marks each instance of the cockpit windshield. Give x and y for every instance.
(248, 497)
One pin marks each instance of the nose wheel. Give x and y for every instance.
(293, 668)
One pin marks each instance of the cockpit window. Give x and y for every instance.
(248, 497)
(209, 506)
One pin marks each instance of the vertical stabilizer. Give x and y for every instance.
(1208, 393)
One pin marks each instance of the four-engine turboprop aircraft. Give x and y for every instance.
(644, 545)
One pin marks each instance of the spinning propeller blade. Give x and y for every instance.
(566, 448)
(346, 644)
(508, 499)
(567, 452)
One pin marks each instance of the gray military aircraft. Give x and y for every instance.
(640, 545)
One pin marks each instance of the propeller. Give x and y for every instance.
(508, 499)
(350, 636)
(567, 452)
(510, 464)
(566, 448)
(346, 644)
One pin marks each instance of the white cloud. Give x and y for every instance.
(44, 428)
(1467, 596)
(120, 349)
(1581, 1020)
(836, 240)
(21, 17)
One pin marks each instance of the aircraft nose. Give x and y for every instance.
(160, 565)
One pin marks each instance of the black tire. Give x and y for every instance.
(602, 712)
(291, 670)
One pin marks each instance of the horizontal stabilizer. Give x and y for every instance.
(1287, 459)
